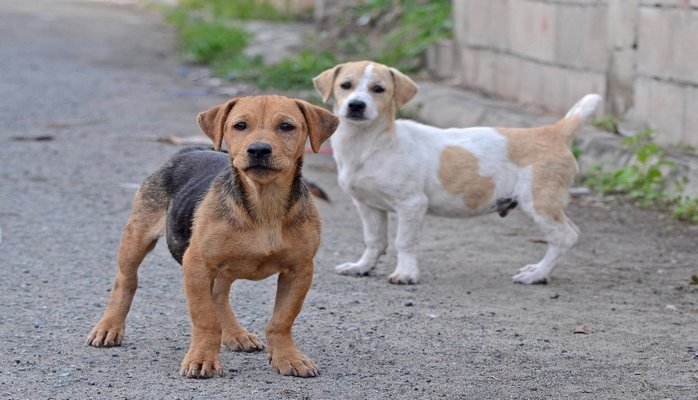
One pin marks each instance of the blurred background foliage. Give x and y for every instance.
(393, 32)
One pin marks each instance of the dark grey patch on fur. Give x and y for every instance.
(231, 188)
(299, 190)
(505, 205)
(178, 187)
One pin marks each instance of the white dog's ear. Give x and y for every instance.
(325, 81)
(405, 88)
(212, 122)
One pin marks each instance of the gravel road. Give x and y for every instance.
(87, 86)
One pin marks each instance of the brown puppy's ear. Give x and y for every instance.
(325, 81)
(321, 123)
(212, 122)
(405, 88)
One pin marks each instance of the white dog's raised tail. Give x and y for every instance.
(578, 115)
(585, 107)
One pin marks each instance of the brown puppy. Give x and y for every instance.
(246, 215)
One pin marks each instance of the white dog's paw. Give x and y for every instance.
(355, 269)
(402, 278)
(531, 274)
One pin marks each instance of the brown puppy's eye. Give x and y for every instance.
(345, 85)
(286, 127)
(240, 126)
(378, 89)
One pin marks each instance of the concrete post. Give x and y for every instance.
(622, 44)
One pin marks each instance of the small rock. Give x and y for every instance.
(214, 82)
(583, 329)
(579, 191)
(694, 280)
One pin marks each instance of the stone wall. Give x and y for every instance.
(666, 80)
(642, 55)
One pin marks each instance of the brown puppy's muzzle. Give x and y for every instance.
(259, 157)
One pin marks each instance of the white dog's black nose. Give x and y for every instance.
(258, 150)
(357, 107)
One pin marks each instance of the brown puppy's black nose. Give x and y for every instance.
(357, 106)
(259, 150)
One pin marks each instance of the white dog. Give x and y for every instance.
(414, 169)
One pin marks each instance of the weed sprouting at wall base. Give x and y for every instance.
(647, 180)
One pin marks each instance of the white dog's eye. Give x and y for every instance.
(345, 85)
(378, 89)
(240, 126)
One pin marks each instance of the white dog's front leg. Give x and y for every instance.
(410, 216)
(375, 225)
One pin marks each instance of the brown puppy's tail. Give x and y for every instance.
(579, 114)
(317, 191)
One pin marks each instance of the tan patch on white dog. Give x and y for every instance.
(526, 146)
(549, 187)
(458, 173)
(547, 150)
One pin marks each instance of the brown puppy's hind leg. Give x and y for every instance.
(141, 234)
(234, 336)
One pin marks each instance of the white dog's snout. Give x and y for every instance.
(360, 105)
(357, 106)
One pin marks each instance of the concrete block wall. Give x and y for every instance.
(666, 81)
(536, 52)
(642, 55)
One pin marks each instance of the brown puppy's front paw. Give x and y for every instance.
(201, 365)
(293, 364)
(242, 340)
(106, 334)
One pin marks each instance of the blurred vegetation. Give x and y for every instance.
(232, 9)
(211, 42)
(648, 181)
(396, 33)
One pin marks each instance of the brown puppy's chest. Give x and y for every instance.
(251, 250)
(257, 255)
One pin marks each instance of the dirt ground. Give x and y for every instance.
(87, 86)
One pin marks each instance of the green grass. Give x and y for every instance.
(420, 26)
(686, 209)
(290, 74)
(233, 9)
(209, 42)
(207, 36)
(609, 123)
(297, 72)
(403, 45)
(646, 181)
